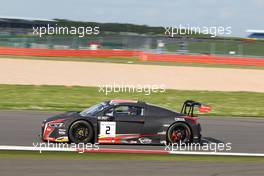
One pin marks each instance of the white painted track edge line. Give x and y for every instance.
(31, 148)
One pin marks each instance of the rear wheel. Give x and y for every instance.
(81, 132)
(179, 133)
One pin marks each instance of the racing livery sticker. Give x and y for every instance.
(107, 129)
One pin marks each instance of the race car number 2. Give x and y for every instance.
(108, 129)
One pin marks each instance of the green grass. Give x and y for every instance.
(131, 60)
(124, 156)
(62, 98)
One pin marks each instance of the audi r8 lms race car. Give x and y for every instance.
(126, 122)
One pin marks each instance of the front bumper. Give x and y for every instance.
(53, 134)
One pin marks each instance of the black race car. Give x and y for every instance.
(125, 122)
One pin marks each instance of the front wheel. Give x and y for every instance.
(179, 133)
(81, 132)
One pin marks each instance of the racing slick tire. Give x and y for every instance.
(81, 132)
(179, 133)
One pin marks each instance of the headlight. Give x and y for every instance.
(56, 125)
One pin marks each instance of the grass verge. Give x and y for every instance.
(62, 98)
(124, 156)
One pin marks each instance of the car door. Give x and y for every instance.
(125, 126)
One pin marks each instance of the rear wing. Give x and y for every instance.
(189, 105)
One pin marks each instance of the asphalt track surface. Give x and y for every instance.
(245, 134)
(33, 167)
(20, 128)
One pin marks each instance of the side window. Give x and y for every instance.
(135, 111)
(122, 110)
(127, 111)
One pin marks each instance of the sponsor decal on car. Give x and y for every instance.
(107, 129)
(162, 133)
(179, 119)
(62, 139)
(145, 140)
(62, 131)
(107, 132)
(103, 117)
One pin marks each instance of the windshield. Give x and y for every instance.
(94, 109)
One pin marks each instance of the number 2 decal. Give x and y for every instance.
(107, 129)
